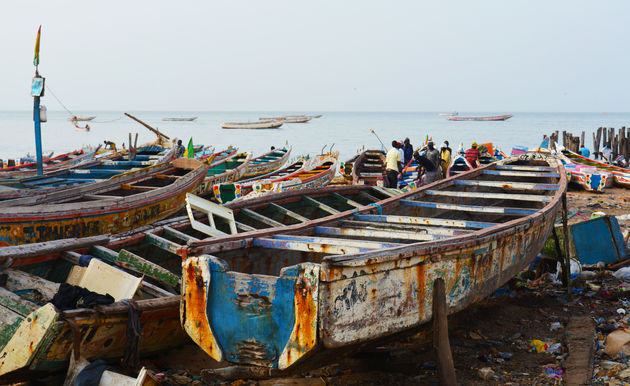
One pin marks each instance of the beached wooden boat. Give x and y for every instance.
(459, 164)
(273, 299)
(148, 253)
(226, 170)
(620, 176)
(54, 163)
(490, 118)
(267, 163)
(120, 203)
(589, 178)
(346, 167)
(369, 168)
(252, 125)
(81, 119)
(186, 119)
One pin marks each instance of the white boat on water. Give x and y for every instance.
(452, 114)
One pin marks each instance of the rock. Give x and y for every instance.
(485, 373)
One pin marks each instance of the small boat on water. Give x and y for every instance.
(297, 119)
(81, 119)
(273, 299)
(369, 168)
(252, 125)
(452, 114)
(620, 175)
(186, 119)
(490, 118)
(272, 119)
(267, 163)
(148, 254)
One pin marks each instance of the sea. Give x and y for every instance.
(346, 132)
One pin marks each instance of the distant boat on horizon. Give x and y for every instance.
(185, 119)
(489, 118)
(80, 119)
(452, 114)
(252, 125)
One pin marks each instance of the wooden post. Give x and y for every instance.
(446, 368)
(564, 139)
(582, 139)
(565, 230)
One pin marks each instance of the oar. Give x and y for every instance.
(373, 132)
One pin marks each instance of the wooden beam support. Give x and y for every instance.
(178, 235)
(470, 208)
(510, 185)
(497, 196)
(376, 233)
(520, 173)
(527, 168)
(162, 243)
(424, 221)
(341, 242)
(416, 228)
(321, 205)
(441, 344)
(243, 227)
(369, 197)
(383, 191)
(307, 247)
(289, 213)
(259, 217)
(346, 200)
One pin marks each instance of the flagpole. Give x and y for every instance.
(37, 91)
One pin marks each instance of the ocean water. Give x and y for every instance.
(343, 131)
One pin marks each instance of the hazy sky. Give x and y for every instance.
(291, 55)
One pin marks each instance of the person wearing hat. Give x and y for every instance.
(472, 155)
(434, 156)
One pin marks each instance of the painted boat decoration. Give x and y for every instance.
(121, 203)
(620, 176)
(148, 253)
(269, 299)
(267, 163)
(252, 125)
(209, 155)
(589, 178)
(81, 119)
(369, 168)
(227, 170)
(184, 119)
(459, 164)
(490, 118)
(224, 193)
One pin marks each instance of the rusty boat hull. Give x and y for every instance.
(270, 299)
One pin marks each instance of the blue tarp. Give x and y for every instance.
(598, 240)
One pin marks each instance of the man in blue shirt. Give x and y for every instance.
(584, 151)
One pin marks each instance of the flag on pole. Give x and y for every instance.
(36, 59)
(190, 150)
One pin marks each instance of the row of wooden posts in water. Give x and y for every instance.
(618, 143)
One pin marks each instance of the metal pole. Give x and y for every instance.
(38, 136)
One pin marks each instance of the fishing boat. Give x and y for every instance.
(271, 300)
(252, 125)
(267, 163)
(451, 114)
(297, 119)
(120, 203)
(30, 168)
(589, 178)
(81, 119)
(620, 175)
(226, 170)
(369, 168)
(490, 118)
(272, 119)
(316, 116)
(149, 254)
(458, 165)
(185, 119)
(85, 128)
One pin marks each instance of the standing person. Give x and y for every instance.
(430, 170)
(407, 150)
(606, 152)
(445, 156)
(472, 155)
(392, 166)
(434, 156)
(402, 154)
(180, 149)
(584, 151)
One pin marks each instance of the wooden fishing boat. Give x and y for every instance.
(148, 253)
(224, 193)
(227, 170)
(30, 168)
(369, 168)
(252, 125)
(277, 119)
(491, 118)
(589, 178)
(85, 128)
(297, 119)
(185, 119)
(620, 175)
(346, 167)
(267, 163)
(459, 164)
(81, 119)
(316, 116)
(268, 300)
(115, 205)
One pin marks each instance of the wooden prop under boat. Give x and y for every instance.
(458, 165)
(252, 125)
(115, 205)
(272, 298)
(226, 170)
(267, 163)
(620, 175)
(369, 168)
(148, 253)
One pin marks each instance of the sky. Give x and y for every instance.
(292, 55)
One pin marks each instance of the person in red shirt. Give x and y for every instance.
(472, 155)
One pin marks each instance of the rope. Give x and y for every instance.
(55, 96)
(378, 208)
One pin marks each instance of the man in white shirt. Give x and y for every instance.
(393, 162)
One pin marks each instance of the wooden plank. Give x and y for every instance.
(307, 247)
(162, 243)
(71, 257)
(288, 212)
(178, 235)
(383, 191)
(263, 219)
(154, 290)
(520, 173)
(346, 200)
(19, 281)
(244, 227)
(527, 168)
(416, 228)
(441, 344)
(16, 303)
(100, 197)
(166, 177)
(497, 196)
(137, 187)
(507, 185)
(57, 246)
(470, 208)
(376, 233)
(104, 253)
(337, 241)
(321, 205)
(424, 220)
(580, 333)
(369, 197)
(145, 267)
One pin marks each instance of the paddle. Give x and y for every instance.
(373, 132)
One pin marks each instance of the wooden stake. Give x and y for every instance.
(446, 368)
(565, 230)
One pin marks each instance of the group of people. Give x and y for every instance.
(433, 163)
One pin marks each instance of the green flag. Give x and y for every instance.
(190, 150)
